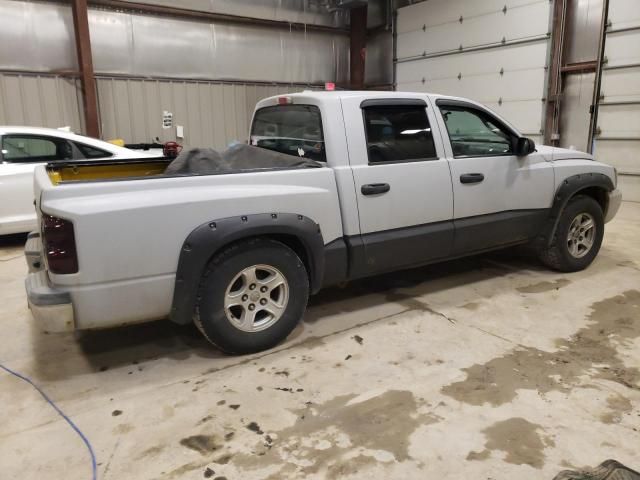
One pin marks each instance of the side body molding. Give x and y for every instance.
(203, 242)
(569, 187)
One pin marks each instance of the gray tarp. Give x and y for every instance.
(206, 161)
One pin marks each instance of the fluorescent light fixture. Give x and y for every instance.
(413, 132)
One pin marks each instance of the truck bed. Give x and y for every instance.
(240, 158)
(65, 172)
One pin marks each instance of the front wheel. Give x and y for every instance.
(252, 296)
(578, 236)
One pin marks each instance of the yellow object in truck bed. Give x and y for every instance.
(105, 171)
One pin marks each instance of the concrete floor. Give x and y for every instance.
(485, 368)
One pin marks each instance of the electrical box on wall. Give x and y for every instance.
(167, 120)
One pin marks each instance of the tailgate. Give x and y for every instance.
(41, 182)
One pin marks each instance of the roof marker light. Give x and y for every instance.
(330, 86)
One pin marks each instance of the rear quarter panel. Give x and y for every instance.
(134, 230)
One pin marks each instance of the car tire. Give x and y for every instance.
(252, 295)
(577, 238)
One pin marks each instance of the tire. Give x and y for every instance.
(238, 318)
(570, 253)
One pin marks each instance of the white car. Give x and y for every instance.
(24, 148)
(393, 180)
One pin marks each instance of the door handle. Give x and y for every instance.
(375, 188)
(471, 178)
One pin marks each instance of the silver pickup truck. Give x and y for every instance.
(404, 180)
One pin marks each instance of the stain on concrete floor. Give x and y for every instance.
(341, 435)
(542, 287)
(592, 348)
(203, 444)
(617, 407)
(520, 440)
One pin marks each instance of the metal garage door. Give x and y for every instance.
(493, 51)
(617, 139)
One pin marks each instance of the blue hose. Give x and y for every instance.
(62, 414)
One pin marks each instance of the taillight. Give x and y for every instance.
(59, 245)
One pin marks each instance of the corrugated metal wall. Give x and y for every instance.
(182, 64)
(40, 101)
(143, 45)
(494, 51)
(39, 37)
(313, 12)
(212, 114)
(618, 133)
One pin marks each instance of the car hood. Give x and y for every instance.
(554, 153)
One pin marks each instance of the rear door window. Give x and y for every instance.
(35, 148)
(398, 133)
(291, 129)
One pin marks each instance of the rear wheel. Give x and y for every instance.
(578, 236)
(252, 296)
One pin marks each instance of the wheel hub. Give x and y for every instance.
(581, 235)
(256, 298)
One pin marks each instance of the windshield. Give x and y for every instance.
(290, 129)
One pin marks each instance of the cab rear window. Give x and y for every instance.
(290, 129)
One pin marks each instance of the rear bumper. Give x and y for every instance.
(615, 199)
(51, 308)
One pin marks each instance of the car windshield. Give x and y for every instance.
(290, 129)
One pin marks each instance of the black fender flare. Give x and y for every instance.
(569, 187)
(205, 240)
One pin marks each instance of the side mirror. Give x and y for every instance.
(525, 146)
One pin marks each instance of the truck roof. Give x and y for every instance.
(318, 96)
(324, 95)
(362, 93)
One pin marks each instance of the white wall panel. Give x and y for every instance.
(509, 79)
(622, 154)
(618, 132)
(624, 14)
(483, 23)
(437, 12)
(623, 48)
(621, 85)
(630, 187)
(492, 51)
(619, 121)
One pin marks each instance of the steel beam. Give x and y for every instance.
(580, 67)
(200, 15)
(554, 92)
(593, 122)
(358, 46)
(85, 64)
